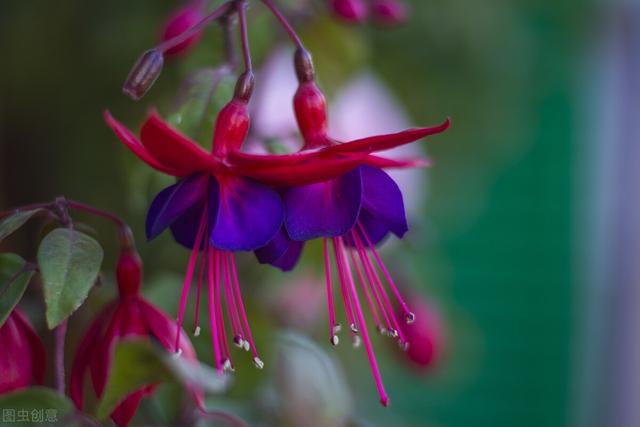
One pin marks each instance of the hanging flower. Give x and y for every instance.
(352, 212)
(131, 316)
(22, 359)
(212, 210)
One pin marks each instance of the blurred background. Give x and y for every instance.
(524, 242)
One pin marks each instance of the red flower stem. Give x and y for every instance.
(60, 334)
(221, 11)
(285, 24)
(241, 7)
(126, 235)
(124, 231)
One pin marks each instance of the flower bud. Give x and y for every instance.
(143, 74)
(180, 21)
(129, 272)
(310, 107)
(390, 11)
(424, 335)
(352, 11)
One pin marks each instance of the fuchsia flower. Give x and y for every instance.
(131, 316)
(425, 336)
(22, 359)
(390, 11)
(352, 11)
(352, 212)
(181, 20)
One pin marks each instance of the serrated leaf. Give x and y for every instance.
(138, 364)
(37, 399)
(14, 278)
(69, 264)
(15, 221)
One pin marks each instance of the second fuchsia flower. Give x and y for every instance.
(23, 358)
(131, 317)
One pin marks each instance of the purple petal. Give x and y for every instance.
(376, 230)
(173, 202)
(185, 228)
(382, 199)
(249, 215)
(326, 209)
(281, 252)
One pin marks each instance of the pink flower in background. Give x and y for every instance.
(390, 11)
(299, 302)
(425, 336)
(352, 11)
(130, 317)
(22, 358)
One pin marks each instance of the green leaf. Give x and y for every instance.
(15, 275)
(204, 95)
(40, 403)
(15, 221)
(137, 364)
(69, 264)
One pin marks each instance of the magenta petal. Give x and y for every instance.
(15, 358)
(326, 209)
(249, 215)
(281, 252)
(36, 349)
(104, 352)
(174, 201)
(125, 411)
(83, 357)
(382, 199)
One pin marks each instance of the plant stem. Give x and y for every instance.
(60, 335)
(241, 6)
(285, 24)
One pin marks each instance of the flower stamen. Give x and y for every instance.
(365, 336)
(189, 275)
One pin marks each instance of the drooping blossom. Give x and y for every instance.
(181, 20)
(389, 12)
(425, 336)
(352, 213)
(22, 359)
(130, 317)
(212, 210)
(352, 11)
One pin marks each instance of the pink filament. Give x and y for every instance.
(221, 326)
(327, 267)
(241, 304)
(381, 290)
(187, 280)
(212, 311)
(231, 296)
(385, 271)
(363, 285)
(343, 285)
(371, 281)
(384, 399)
(203, 262)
